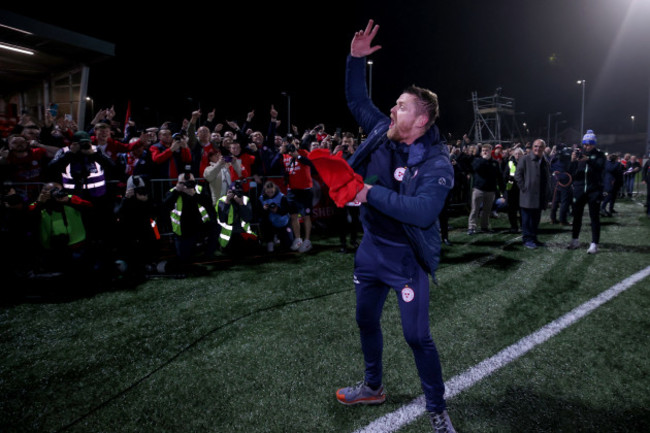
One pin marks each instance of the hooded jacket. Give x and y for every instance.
(427, 179)
(587, 172)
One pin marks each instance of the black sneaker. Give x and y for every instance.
(441, 422)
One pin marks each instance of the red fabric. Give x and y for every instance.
(205, 157)
(127, 117)
(163, 155)
(343, 182)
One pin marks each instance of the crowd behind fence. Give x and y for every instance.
(47, 141)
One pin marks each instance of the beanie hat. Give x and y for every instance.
(589, 138)
(81, 137)
(342, 181)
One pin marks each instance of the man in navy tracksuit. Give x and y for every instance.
(408, 175)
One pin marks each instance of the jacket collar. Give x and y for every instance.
(427, 146)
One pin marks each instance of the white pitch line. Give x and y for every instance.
(408, 413)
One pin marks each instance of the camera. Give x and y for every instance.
(178, 136)
(272, 205)
(187, 177)
(227, 158)
(187, 172)
(57, 193)
(237, 188)
(291, 148)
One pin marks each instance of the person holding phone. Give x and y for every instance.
(217, 173)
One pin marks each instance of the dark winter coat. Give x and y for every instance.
(428, 178)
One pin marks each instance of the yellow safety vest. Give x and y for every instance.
(54, 224)
(178, 211)
(226, 226)
(513, 168)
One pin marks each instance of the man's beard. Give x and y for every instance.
(394, 134)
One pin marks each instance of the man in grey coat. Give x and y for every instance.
(533, 177)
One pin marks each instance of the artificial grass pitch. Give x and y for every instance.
(262, 345)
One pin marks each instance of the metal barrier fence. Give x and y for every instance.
(323, 206)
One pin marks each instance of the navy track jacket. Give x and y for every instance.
(428, 178)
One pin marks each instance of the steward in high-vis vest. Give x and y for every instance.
(235, 213)
(512, 190)
(192, 219)
(85, 171)
(61, 229)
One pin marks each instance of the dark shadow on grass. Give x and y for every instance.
(448, 259)
(502, 263)
(399, 400)
(613, 247)
(554, 231)
(49, 289)
(55, 288)
(485, 259)
(524, 410)
(490, 243)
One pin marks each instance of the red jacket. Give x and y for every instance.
(247, 161)
(299, 174)
(161, 155)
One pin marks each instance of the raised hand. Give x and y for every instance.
(362, 39)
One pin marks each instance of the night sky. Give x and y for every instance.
(172, 60)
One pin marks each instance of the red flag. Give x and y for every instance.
(343, 182)
(128, 117)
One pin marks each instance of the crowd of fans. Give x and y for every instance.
(489, 173)
(106, 201)
(103, 201)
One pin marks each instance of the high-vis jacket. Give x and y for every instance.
(67, 222)
(177, 211)
(227, 225)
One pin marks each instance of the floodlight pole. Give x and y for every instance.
(582, 116)
(647, 143)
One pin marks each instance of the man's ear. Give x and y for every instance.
(422, 120)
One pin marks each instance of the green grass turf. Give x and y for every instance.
(262, 345)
